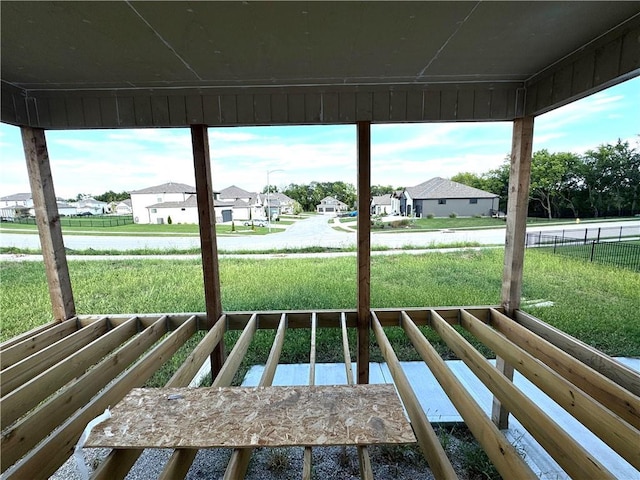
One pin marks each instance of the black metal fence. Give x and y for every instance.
(593, 233)
(609, 251)
(84, 221)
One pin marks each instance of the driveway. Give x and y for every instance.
(313, 231)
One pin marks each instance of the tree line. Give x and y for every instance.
(601, 182)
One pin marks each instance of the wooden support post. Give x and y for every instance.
(48, 220)
(364, 248)
(517, 204)
(208, 243)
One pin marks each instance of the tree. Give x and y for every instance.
(379, 190)
(112, 196)
(308, 196)
(470, 179)
(550, 175)
(497, 181)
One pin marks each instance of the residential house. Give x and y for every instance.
(388, 204)
(331, 206)
(278, 203)
(244, 204)
(441, 198)
(144, 201)
(92, 206)
(123, 207)
(15, 205)
(179, 211)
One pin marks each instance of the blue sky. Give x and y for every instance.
(92, 162)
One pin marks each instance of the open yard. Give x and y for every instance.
(597, 304)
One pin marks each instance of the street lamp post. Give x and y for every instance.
(269, 197)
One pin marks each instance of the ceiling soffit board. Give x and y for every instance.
(610, 59)
(155, 64)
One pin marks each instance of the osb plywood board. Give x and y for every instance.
(250, 417)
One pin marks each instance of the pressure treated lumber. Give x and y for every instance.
(44, 460)
(48, 220)
(239, 462)
(364, 249)
(517, 208)
(363, 452)
(517, 204)
(570, 455)
(208, 241)
(601, 388)
(28, 368)
(427, 438)
(610, 428)
(181, 459)
(118, 463)
(34, 391)
(619, 373)
(503, 455)
(21, 337)
(36, 425)
(21, 347)
(307, 455)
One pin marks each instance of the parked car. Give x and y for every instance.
(85, 214)
(256, 223)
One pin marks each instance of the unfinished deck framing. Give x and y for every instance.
(42, 425)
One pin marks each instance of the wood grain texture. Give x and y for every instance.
(251, 417)
(48, 220)
(364, 248)
(503, 455)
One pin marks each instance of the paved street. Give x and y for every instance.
(314, 231)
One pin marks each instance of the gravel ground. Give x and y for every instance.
(336, 463)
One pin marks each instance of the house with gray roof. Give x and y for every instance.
(15, 205)
(441, 197)
(142, 199)
(388, 204)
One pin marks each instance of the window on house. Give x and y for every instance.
(473, 200)
(442, 201)
(154, 210)
(159, 199)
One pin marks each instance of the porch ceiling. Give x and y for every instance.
(127, 64)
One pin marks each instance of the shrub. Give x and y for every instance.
(169, 221)
(399, 223)
(453, 215)
(430, 215)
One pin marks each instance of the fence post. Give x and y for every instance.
(554, 243)
(598, 239)
(539, 237)
(620, 236)
(593, 248)
(586, 231)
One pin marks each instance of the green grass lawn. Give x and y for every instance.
(595, 303)
(440, 223)
(140, 229)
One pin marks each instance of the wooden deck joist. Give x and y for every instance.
(100, 359)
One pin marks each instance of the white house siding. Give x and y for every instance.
(140, 202)
(66, 211)
(177, 214)
(123, 209)
(462, 207)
